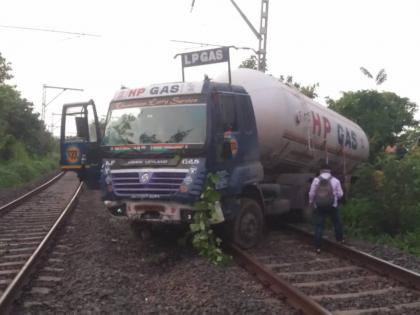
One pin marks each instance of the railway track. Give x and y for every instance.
(28, 226)
(341, 280)
(14, 203)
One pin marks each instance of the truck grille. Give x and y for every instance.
(152, 183)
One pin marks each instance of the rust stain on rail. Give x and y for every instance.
(275, 283)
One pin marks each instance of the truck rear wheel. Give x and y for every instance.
(248, 224)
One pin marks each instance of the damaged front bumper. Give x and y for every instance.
(157, 211)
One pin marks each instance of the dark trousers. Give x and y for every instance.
(321, 214)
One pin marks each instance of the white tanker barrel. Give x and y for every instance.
(295, 133)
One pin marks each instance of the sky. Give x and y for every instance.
(315, 41)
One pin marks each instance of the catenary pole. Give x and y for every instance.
(44, 96)
(261, 35)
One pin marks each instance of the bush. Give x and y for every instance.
(385, 203)
(408, 242)
(8, 178)
(24, 170)
(360, 216)
(17, 172)
(392, 187)
(23, 136)
(45, 164)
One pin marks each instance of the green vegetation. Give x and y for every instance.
(14, 173)
(384, 116)
(309, 90)
(380, 78)
(386, 195)
(251, 63)
(26, 148)
(204, 240)
(384, 204)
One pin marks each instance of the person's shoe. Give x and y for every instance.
(318, 250)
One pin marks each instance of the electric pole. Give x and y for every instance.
(262, 62)
(44, 96)
(261, 35)
(52, 127)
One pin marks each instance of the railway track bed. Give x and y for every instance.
(28, 225)
(9, 194)
(337, 285)
(117, 272)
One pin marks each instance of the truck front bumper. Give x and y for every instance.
(152, 211)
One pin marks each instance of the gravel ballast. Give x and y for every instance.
(9, 194)
(109, 269)
(386, 252)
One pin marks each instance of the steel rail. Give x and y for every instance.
(12, 291)
(375, 264)
(275, 283)
(29, 194)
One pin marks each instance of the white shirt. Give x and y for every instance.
(335, 184)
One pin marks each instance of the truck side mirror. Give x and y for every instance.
(82, 127)
(226, 151)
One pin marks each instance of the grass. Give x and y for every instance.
(16, 172)
(362, 219)
(408, 242)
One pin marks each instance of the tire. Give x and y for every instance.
(248, 224)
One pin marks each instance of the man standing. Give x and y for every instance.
(323, 196)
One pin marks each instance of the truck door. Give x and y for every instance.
(226, 137)
(80, 142)
(227, 130)
(248, 148)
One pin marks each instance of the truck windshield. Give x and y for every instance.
(129, 123)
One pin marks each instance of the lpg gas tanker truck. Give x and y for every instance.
(263, 139)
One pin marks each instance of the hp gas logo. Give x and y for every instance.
(144, 178)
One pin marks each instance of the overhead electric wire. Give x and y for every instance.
(197, 43)
(215, 45)
(48, 30)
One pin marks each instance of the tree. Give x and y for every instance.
(250, 63)
(19, 125)
(5, 69)
(309, 90)
(380, 78)
(410, 137)
(382, 115)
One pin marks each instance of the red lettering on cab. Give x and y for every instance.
(135, 92)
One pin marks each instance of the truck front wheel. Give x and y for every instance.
(248, 224)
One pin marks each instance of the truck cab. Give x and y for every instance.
(80, 142)
(159, 144)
